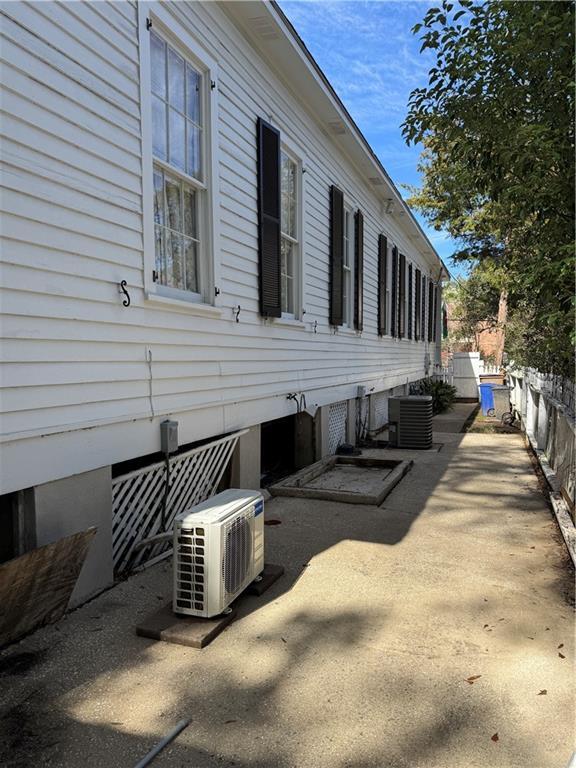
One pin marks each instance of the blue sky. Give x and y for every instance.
(367, 51)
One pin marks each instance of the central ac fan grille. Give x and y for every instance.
(190, 569)
(237, 553)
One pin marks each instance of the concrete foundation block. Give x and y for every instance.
(246, 460)
(74, 504)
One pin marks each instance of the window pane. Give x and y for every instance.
(191, 265)
(193, 165)
(158, 197)
(174, 204)
(193, 94)
(158, 65)
(290, 294)
(175, 273)
(177, 128)
(176, 80)
(284, 299)
(160, 254)
(158, 128)
(288, 197)
(287, 261)
(190, 219)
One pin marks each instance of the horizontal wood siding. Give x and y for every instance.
(73, 357)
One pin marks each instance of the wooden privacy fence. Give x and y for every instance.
(138, 499)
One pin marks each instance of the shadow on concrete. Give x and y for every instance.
(319, 665)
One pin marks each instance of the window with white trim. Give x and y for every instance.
(347, 269)
(179, 169)
(289, 235)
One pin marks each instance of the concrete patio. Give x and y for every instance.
(435, 631)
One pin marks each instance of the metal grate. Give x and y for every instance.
(137, 499)
(337, 422)
(190, 565)
(379, 410)
(237, 553)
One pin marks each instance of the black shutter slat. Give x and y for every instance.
(359, 272)
(394, 294)
(268, 141)
(410, 301)
(382, 283)
(430, 309)
(336, 255)
(435, 314)
(402, 297)
(417, 306)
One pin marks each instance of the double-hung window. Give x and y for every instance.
(179, 173)
(289, 235)
(347, 269)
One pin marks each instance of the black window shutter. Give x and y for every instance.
(402, 298)
(430, 309)
(268, 140)
(394, 297)
(410, 301)
(359, 271)
(435, 313)
(382, 283)
(423, 319)
(417, 306)
(336, 254)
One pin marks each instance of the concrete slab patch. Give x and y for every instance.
(349, 479)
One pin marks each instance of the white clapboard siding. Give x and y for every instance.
(88, 380)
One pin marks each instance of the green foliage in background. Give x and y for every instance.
(443, 395)
(497, 124)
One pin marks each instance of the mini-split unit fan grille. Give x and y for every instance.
(237, 554)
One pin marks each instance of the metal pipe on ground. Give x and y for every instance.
(155, 751)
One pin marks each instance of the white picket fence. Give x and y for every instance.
(138, 499)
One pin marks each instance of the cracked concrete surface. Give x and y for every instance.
(405, 635)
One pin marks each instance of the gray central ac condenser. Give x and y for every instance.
(410, 421)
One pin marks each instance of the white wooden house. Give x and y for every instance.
(193, 229)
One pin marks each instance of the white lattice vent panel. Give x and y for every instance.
(337, 422)
(138, 497)
(379, 410)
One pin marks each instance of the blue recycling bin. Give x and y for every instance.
(486, 399)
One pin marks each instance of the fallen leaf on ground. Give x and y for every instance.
(561, 655)
(472, 678)
(495, 737)
(284, 641)
(547, 629)
(501, 619)
(529, 638)
(230, 721)
(561, 646)
(543, 692)
(272, 522)
(485, 625)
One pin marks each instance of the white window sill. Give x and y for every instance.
(191, 307)
(345, 330)
(288, 322)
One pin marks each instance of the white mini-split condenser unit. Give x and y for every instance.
(218, 551)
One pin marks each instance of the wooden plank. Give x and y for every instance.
(35, 588)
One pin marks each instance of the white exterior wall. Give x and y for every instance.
(77, 388)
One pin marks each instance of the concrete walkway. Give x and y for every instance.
(432, 632)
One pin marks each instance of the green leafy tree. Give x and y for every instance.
(497, 124)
